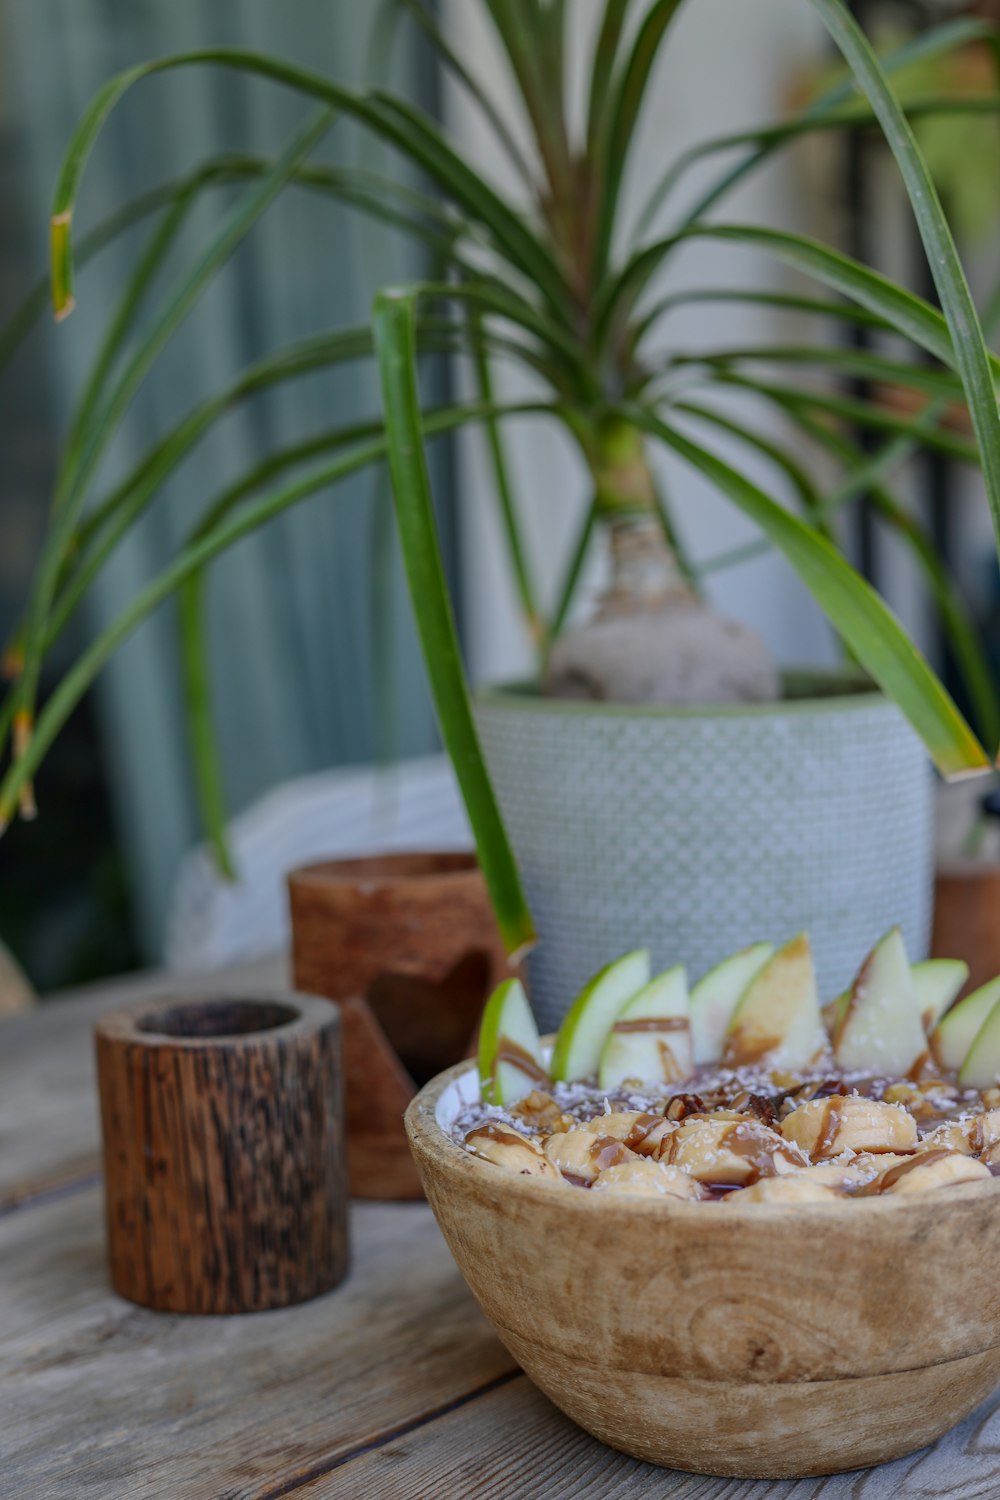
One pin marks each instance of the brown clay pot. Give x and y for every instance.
(967, 919)
(763, 1340)
(224, 1163)
(408, 945)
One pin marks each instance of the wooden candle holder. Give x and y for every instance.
(408, 946)
(224, 1161)
(966, 903)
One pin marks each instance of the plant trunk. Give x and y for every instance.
(651, 639)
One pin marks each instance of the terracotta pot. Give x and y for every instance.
(761, 1341)
(408, 945)
(967, 919)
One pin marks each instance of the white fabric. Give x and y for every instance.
(334, 815)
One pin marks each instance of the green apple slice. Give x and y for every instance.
(833, 1013)
(585, 1029)
(778, 1017)
(981, 1068)
(952, 1038)
(880, 1030)
(651, 1039)
(937, 981)
(510, 1053)
(715, 997)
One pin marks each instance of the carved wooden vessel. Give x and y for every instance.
(408, 946)
(764, 1341)
(224, 1157)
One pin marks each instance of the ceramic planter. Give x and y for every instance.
(697, 831)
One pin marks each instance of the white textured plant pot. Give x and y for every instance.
(694, 832)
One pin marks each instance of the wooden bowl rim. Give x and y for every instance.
(428, 1138)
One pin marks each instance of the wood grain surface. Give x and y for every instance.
(391, 1386)
(225, 1163)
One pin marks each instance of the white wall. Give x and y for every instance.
(727, 64)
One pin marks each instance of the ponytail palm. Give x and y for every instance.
(566, 289)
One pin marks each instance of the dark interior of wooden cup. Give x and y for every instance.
(221, 1018)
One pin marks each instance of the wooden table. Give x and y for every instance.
(392, 1386)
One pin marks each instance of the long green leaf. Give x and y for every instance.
(869, 628)
(193, 558)
(602, 67)
(472, 85)
(626, 99)
(935, 42)
(853, 411)
(908, 314)
(395, 336)
(73, 482)
(505, 496)
(571, 577)
(413, 135)
(971, 357)
(957, 623)
(845, 361)
(766, 139)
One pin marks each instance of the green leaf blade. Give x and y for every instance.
(395, 339)
(867, 625)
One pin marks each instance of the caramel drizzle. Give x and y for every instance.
(759, 1149)
(499, 1133)
(889, 1179)
(654, 1023)
(828, 1131)
(516, 1055)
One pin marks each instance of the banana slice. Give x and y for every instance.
(541, 1112)
(796, 1187)
(984, 1131)
(826, 1127)
(926, 1170)
(726, 1151)
(508, 1148)
(646, 1179)
(582, 1154)
(620, 1123)
(949, 1136)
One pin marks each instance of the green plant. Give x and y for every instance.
(553, 289)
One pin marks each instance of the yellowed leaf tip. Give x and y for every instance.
(12, 664)
(62, 312)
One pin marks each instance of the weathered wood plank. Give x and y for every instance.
(103, 1399)
(49, 1130)
(512, 1441)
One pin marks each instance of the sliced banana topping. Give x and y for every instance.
(984, 1130)
(542, 1113)
(582, 1154)
(621, 1123)
(727, 1151)
(925, 1170)
(796, 1187)
(506, 1147)
(647, 1179)
(953, 1135)
(846, 1122)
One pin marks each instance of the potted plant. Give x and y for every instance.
(566, 290)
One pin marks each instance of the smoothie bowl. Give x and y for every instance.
(781, 1280)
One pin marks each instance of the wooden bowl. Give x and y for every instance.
(762, 1341)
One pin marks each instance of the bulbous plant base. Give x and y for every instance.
(680, 653)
